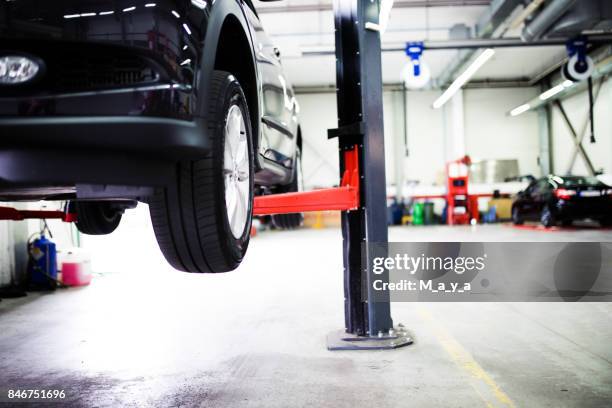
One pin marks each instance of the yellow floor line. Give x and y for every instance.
(483, 384)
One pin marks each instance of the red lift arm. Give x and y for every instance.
(345, 197)
(13, 214)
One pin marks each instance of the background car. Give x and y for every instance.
(180, 104)
(555, 199)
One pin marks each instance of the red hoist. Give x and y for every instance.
(461, 207)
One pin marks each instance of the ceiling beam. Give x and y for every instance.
(468, 44)
(397, 4)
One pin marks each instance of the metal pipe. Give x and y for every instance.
(527, 11)
(477, 43)
(545, 19)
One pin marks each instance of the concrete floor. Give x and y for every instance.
(148, 336)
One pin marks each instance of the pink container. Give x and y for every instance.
(76, 273)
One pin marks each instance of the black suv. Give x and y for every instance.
(555, 199)
(181, 104)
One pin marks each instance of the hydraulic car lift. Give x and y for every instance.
(362, 193)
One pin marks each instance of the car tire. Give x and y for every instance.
(293, 220)
(96, 217)
(203, 222)
(516, 217)
(547, 218)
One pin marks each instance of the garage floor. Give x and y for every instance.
(256, 337)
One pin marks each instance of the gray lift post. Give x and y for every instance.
(368, 325)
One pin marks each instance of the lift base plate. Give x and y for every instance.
(395, 338)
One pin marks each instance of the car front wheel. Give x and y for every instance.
(517, 219)
(203, 221)
(96, 217)
(547, 218)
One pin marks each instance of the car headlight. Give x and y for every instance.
(17, 69)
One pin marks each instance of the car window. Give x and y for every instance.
(531, 187)
(581, 182)
(542, 186)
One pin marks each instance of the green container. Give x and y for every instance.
(417, 214)
(428, 214)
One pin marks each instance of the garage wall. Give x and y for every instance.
(13, 253)
(489, 133)
(576, 108)
(7, 257)
(492, 134)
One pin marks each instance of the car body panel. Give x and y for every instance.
(178, 40)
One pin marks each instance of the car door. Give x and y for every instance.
(540, 197)
(279, 116)
(525, 202)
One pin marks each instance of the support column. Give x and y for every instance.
(545, 155)
(454, 128)
(368, 325)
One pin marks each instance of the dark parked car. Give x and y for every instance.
(182, 104)
(554, 199)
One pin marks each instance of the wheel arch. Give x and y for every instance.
(232, 45)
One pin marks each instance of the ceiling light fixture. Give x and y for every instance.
(464, 78)
(520, 109)
(543, 97)
(201, 4)
(555, 90)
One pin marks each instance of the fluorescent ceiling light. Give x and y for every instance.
(186, 27)
(88, 14)
(556, 89)
(106, 13)
(68, 16)
(464, 77)
(520, 109)
(199, 3)
(543, 97)
(150, 5)
(551, 92)
(175, 14)
(125, 10)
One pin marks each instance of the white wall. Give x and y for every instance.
(576, 108)
(7, 256)
(492, 134)
(13, 251)
(489, 133)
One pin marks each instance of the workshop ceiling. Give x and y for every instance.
(298, 27)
